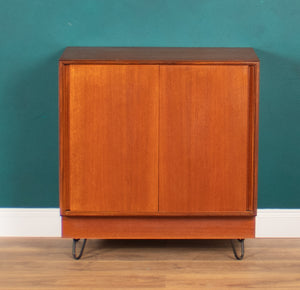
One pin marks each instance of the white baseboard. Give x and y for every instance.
(278, 223)
(30, 222)
(46, 222)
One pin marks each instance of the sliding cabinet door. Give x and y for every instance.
(204, 139)
(111, 162)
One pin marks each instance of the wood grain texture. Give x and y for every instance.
(204, 138)
(158, 227)
(46, 263)
(113, 138)
(159, 55)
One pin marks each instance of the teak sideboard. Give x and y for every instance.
(158, 143)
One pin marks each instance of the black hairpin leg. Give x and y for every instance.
(241, 241)
(75, 241)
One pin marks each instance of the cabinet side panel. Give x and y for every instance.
(254, 97)
(63, 137)
(113, 138)
(204, 138)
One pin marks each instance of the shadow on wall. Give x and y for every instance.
(30, 174)
(279, 136)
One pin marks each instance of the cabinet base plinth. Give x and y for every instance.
(158, 227)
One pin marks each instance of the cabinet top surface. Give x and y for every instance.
(159, 54)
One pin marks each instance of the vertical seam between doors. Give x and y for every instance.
(158, 138)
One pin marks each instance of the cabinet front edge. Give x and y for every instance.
(156, 62)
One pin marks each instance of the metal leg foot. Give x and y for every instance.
(241, 241)
(75, 241)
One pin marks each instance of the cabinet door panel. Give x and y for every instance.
(203, 138)
(113, 138)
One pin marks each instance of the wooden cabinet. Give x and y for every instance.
(158, 142)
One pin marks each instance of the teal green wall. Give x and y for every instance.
(33, 34)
